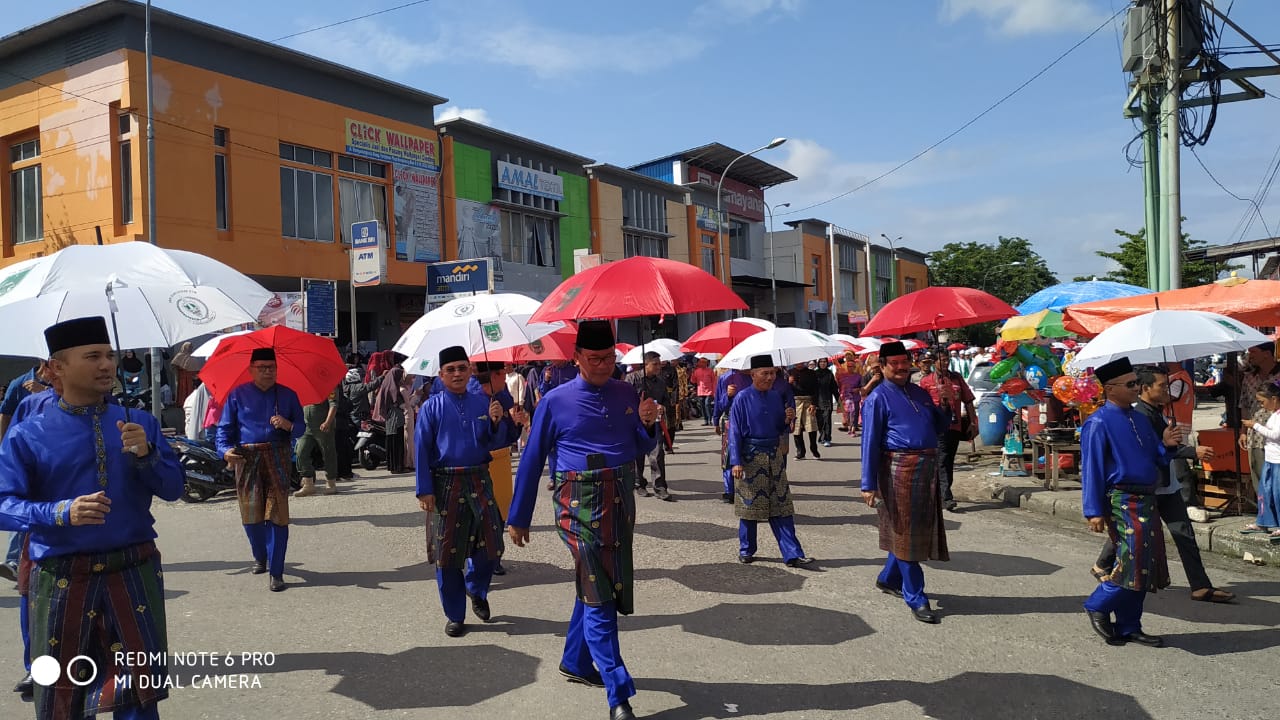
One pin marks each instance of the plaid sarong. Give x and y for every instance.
(911, 506)
(262, 483)
(467, 519)
(596, 518)
(97, 605)
(1136, 530)
(762, 492)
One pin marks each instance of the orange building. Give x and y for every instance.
(264, 156)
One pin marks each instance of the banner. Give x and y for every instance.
(458, 278)
(368, 257)
(320, 308)
(284, 308)
(416, 205)
(380, 143)
(480, 234)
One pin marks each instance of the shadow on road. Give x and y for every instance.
(994, 565)
(697, 531)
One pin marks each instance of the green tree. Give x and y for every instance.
(1009, 269)
(1131, 256)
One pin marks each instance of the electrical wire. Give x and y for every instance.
(350, 20)
(1217, 182)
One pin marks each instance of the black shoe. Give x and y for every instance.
(950, 505)
(925, 614)
(663, 494)
(454, 629)
(727, 498)
(799, 456)
(1143, 639)
(258, 568)
(643, 491)
(799, 562)
(9, 572)
(814, 452)
(888, 589)
(746, 559)
(26, 687)
(499, 570)
(592, 680)
(480, 607)
(276, 584)
(621, 711)
(1101, 623)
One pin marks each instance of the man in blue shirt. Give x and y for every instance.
(33, 380)
(455, 432)
(900, 427)
(260, 422)
(81, 477)
(597, 427)
(1120, 460)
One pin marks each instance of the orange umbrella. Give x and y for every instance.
(1252, 302)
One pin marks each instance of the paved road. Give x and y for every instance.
(360, 634)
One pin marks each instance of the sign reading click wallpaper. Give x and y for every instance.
(415, 168)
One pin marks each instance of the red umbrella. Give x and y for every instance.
(720, 337)
(637, 286)
(956, 346)
(307, 364)
(936, 308)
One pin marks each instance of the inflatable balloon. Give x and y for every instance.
(1017, 402)
(1004, 369)
(1064, 388)
(1036, 377)
(1014, 386)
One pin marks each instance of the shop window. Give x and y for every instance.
(306, 196)
(816, 277)
(529, 239)
(644, 210)
(361, 201)
(124, 176)
(221, 194)
(26, 191)
(739, 240)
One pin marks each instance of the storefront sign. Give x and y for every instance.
(518, 178)
(416, 206)
(857, 317)
(739, 198)
(320, 309)
(707, 218)
(380, 143)
(284, 308)
(368, 257)
(458, 278)
(479, 234)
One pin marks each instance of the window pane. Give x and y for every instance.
(323, 159)
(347, 208)
(27, 218)
(364, 195)
(303, 155)
(126, 183)
(345, 163)
(378, 170)
(380, 210)
(126, 124)
(286, 151)
(220, 190)
(362, 167)
(324, 207)
(288, 208)
(220, 137)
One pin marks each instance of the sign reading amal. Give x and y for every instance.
(518, 178)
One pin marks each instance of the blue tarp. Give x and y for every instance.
(1058, 297)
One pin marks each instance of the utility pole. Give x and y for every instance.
(157, 359)
(1171, 180)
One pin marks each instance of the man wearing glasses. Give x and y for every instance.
(596, 427)
(1120, 460)
(260, 422)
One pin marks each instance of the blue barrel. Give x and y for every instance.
(993, 420)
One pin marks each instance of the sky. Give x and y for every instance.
(857, 86)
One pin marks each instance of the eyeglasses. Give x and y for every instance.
(264, 368)
(1131, 384)
(600, 361)
(455, 369)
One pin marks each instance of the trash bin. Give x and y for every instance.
(993, 420)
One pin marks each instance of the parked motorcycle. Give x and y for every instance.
(207, 474)
(371, 444)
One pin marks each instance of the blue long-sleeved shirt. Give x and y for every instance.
(246, 416)
(473, 385)
(559, 376)
(757, 417)
(16, 393)
(1118, 446)
(782, 386)
(575, 420)
(897, 418)
(455, 431)
(740, 380)
(50, 459)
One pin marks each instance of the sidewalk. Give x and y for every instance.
(979, 485)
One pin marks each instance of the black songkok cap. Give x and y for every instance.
(77, 332)
(595, 335)
(1265, 347)
(1112, 370)
(452, 354)
(761, 361)
(892, 349)
(262, 354)
(489, 367)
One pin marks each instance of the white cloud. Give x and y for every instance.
(1027, 17)
(479, 115)
(744, 10)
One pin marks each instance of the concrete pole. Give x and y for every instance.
(157, 361)
(833, 310)
(1172, 146)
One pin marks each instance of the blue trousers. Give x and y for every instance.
(455, 585)
(24, 617)
(593, 637)
(907, 576)
(269, 543)
(728, 481)
(784, 531)
(708, 407)
(1126, 604)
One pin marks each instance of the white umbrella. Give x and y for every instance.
(1168, 336)
(479, 323)
(666, 348)
(208, 346)
(757, 321)
(787, 346)
(161, 297)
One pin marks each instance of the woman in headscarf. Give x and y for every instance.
(849, 381)
(389, 407)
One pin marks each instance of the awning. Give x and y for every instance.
(755, 281)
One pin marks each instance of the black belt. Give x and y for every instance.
(1136, 489)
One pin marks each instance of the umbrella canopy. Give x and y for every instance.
(1045, 323)
(637, 286)
(1169, 336)
(1058, 297)
(913, 344)
(936, 308)
(721, 337)
(558, 345)
(208, 346)
(1252, 302)
(666, 348)
(161, 297)
(956, 346)
(787, 346)
(307, 364)
(478, 324)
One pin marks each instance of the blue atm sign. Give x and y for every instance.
(458, 278)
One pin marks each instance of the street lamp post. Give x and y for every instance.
(773, 275)
(724, 270)
(893, 266)
(987, 274)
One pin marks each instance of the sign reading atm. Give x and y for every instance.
(518, 178)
